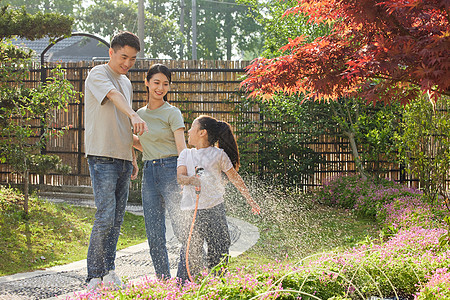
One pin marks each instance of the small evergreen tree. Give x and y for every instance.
(26, 118)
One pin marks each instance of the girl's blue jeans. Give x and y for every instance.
(160, 191)
(110, 182)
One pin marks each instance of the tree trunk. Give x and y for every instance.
(228, 34)
(356, 157)
(25, 192)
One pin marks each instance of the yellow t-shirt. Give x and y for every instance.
(159, 141)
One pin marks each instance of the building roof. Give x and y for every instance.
(71, 49)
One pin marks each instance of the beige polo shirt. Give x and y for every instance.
(108, 131)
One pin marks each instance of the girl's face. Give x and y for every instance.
(158, 86)
(195, 134)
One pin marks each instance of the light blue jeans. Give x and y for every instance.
(160, 190)
(111, 182)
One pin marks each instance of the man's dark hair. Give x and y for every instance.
(125, 38)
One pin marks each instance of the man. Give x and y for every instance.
(110, 122)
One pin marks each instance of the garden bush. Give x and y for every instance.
(365, 197)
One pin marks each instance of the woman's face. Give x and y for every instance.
(158, 86)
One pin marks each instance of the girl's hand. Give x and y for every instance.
(256, 210)
(194, 180)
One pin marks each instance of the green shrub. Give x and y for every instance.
(424, 144)
(365, 197)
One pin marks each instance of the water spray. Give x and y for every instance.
(198, 172)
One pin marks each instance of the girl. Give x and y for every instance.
(161, 146)
(210, 223)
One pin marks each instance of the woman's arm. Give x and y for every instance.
(135, 172)
(184, 179)
(137, 143)
(236, 179)
(180, 140)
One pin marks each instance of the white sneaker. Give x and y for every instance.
(111, 279)
(94, 284)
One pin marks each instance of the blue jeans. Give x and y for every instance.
(160, 190)
(210, 226)
(111, 182)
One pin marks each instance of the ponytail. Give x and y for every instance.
(227, 142)
(221, 132)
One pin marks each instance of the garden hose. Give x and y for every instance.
(198, 173)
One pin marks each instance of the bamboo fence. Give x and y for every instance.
(198, 87)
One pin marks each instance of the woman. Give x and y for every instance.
(161, 146)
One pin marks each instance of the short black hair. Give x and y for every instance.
(125, 38)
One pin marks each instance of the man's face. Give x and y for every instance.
(122, 59)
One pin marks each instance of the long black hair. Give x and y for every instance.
(221, 132)
(159, 68)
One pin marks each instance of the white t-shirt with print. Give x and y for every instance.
(214, 161)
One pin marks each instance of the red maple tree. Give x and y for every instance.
(383, 50)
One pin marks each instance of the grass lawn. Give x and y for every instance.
(54, 234)
(291, 226)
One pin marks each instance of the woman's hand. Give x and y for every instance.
(135, 172)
